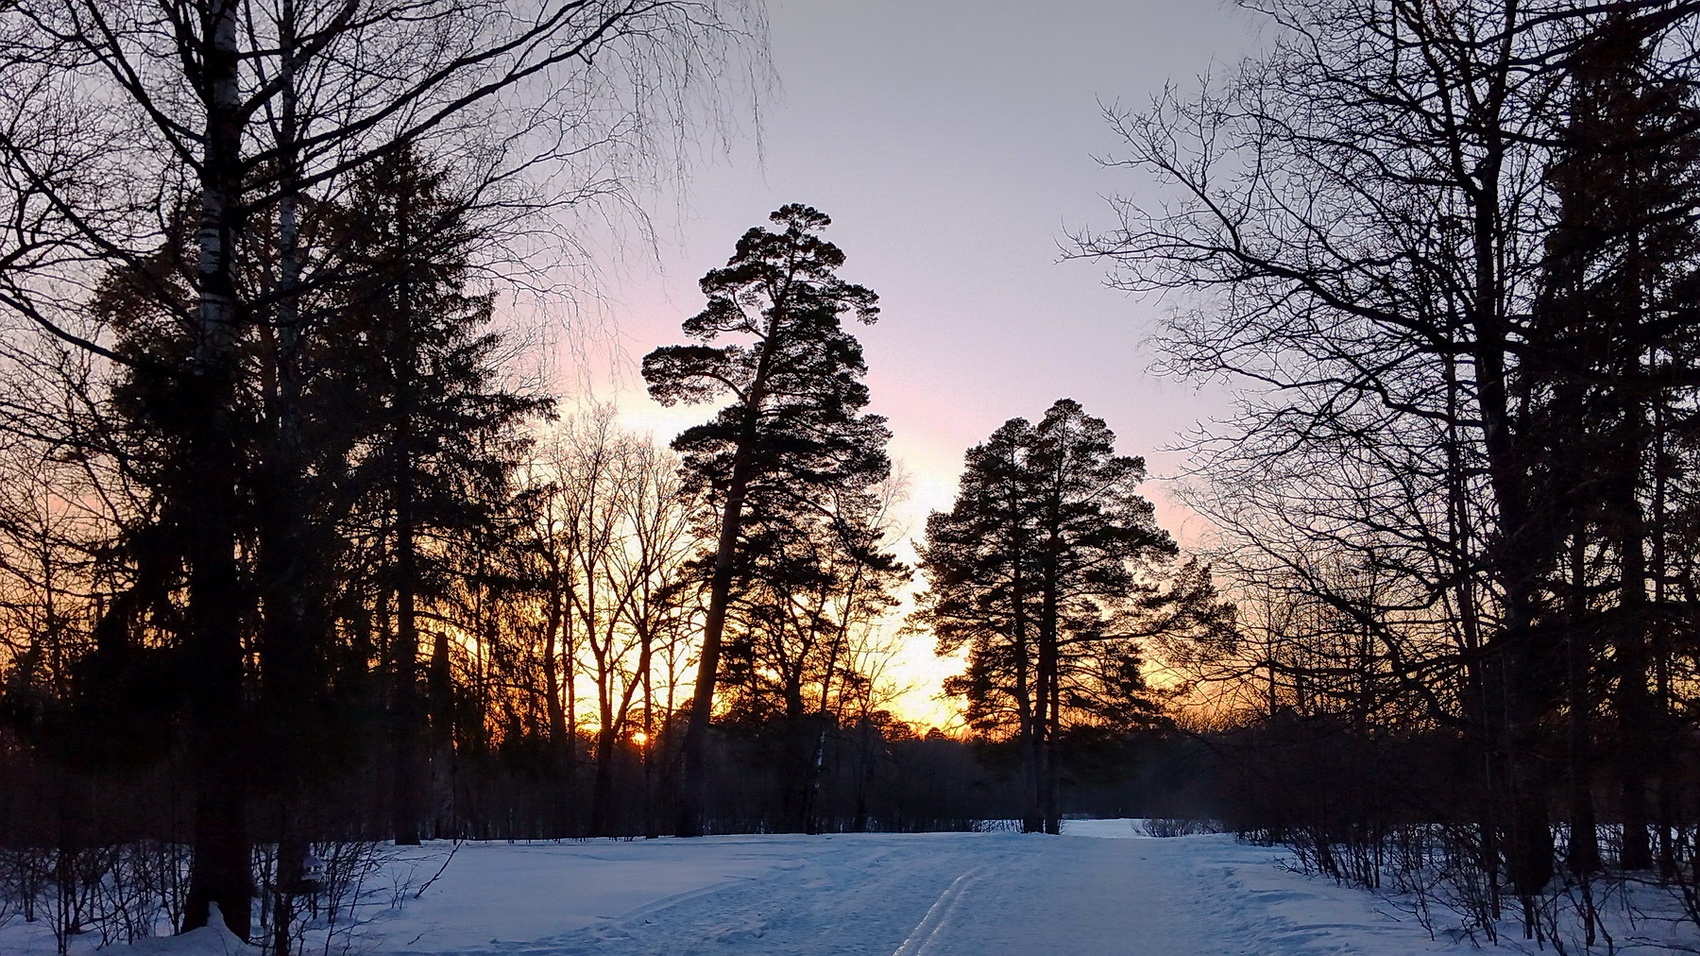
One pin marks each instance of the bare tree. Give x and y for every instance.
(625, 538)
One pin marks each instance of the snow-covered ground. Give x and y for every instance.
(945, 894)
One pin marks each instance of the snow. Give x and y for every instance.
(1101, 889)
(1106, 829)
(210, 940)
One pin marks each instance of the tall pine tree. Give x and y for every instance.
(793, 429)
(1609, 372)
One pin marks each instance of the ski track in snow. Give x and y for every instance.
(861, 896)
(937, 920)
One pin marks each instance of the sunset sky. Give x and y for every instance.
(953, 144)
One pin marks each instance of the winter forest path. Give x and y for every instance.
(907, 895)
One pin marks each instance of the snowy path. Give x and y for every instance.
(851, 895)
(937, 895)
(940, 894)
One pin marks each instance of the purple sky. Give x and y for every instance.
(952, 143)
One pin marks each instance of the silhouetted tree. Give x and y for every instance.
(1045, 542)
(1369, 213)
(794, 429)
(1609, 366)
(443, 422)
(815, 578)
(615, 533)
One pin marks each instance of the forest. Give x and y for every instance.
(305, 548)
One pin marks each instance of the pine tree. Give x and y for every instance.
(1028, 569)
(978, 560)
(795, 425)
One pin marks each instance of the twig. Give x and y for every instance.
(449, 859)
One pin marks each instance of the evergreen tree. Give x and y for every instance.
(1028, 569)
(391, 406)
(1609, 372)
(978, 562)
(443, 440)
(795, 425)
(256, 686)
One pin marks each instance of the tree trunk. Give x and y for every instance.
(1027, 716)
(1583, 855)
(560, 746)
(602, 796)
(291, 871)
(817, 770)
(1632, 692)
(1046, 717)
(1520, 663)
(408, 779)
(693, 800)
(406, 805)
(220, 872)
(409, 714)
